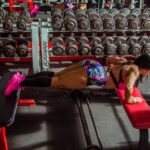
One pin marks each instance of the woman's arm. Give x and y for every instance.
(132, 76)
(114, 60)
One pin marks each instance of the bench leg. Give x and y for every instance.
(3, 140)
(143, 141)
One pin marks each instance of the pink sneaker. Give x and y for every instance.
(34, 10)
(13, 83)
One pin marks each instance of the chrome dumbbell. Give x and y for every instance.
(57, 48)
(94, 18)
(22, 48)
(122, 47)
(96, 46)
(9, 48)
(109, 46)
(71, 46)
(70, 22)
(134, 46)
(83, 46)
(82, 19)
(57, 19)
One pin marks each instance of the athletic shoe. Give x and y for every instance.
(34, 10)
(13, 83)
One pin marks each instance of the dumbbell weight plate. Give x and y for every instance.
(72, 50)
(120, 40)
(55, 10)
(57, 24)
(22, 50)
(145, 24)
(132, 39)
(67, 11)
(147, 10)
(106, 16)
(136, 11)
(121, 23)
(96, 24)
(143, 40)
(83, 39)
(70, 40)
(113, 11)
(83, 24)
(70, 24)
(122, 49)
(8, 23)
(25, 13)
(58, 51)
(84, 49)
(56, 40)
(133, 23)
(97, 49)
(125, 11)
(119, 16)
(96, 40)
(135, 49)
(22, 23)
(146, 49)
(143, 16)
(108, 40)
(2, 13)
(103, 11)
(110, 49)
(13, 14)
(131, 16)
(109, 24)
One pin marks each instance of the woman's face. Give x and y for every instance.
(144, 72)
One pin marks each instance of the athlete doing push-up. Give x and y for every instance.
(89, 72)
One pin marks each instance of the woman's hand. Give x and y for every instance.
(133, 100)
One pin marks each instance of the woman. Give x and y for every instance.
(89, 72)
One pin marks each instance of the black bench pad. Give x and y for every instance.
(8, 105)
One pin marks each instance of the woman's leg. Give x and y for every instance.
(39, 74)
(75, 79)
(68, 69)
(42, 81)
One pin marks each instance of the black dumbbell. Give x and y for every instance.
(8, 23)
(145, 24)
(135, 48)
(13, 14)
(120, 40)
(146, 10)
(9, 48)
(121, 22)
(110, 47)
(83, 46)
(146, 48)
(22, 23)
(136, 11)
(57, 48)
(3, 13)
(22, 48)
(69, 20)
(82, 19)
(96, 46)
(71, 46)
(143, 40)
(94, 18)
(132, 40)
(108, 22)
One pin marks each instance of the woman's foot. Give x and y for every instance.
(13, 83)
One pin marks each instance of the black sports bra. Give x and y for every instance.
(114, 79)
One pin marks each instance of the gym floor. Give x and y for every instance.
(54, 123)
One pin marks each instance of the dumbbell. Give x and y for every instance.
(71, 46)
(3, 13)
(83, 46)
(145, 23)
(121, 22)
(134, 46)
(69, 20)
(136, 11)
(108, 22)
(82, 19)
(57, 19)
(110, 47)
(9, 48)
(143, 40)
(25, 13)
(22, 23)
(96, 46)
(122, 47)
(103, 11)
(57, 48)
(113, 11)
(22, 48)
(146, 48)
(94, 18)
(124, 11)
(147, 10)
(8, 23)
(133, 21)
(13, 14)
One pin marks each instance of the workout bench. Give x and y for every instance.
(139, 116)
(8, 107)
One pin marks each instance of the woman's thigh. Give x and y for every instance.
(69, 69)
(75, 79)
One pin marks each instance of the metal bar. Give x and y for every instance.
(84, 122)
(94, 125)
(44, 47)
(143, 141)
(35, 48)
